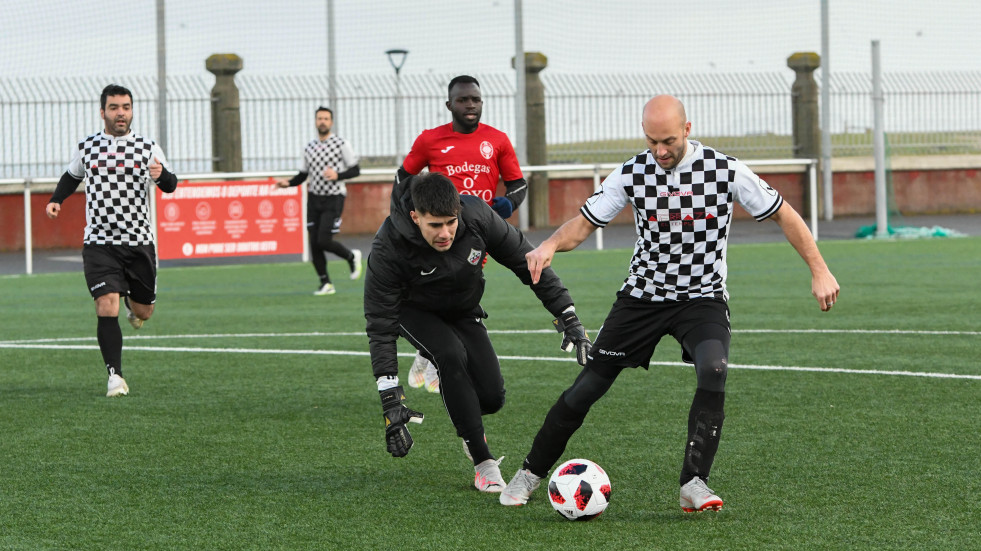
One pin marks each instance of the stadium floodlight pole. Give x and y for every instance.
(397, 59)
(826, 174)
(331, 60)
(161, 110)
(161, 77)
(879, 145)
(520, 105)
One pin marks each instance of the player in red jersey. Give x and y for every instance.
(476, 157)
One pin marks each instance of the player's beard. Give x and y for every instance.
(465, 124)
(114, 127)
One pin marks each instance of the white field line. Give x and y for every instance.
(60, 344)
(491, 331)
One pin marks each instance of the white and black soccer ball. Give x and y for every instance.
(579, 489)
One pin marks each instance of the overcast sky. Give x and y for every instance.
(95, 38)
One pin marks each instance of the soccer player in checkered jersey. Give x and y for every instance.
(328, 161)
(475, 156)
(119, 258)
(682, 195)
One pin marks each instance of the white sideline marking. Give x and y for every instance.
(54, 344)
(491, 331)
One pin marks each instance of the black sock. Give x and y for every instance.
(704, 432)
(110, 339)
(478, 447)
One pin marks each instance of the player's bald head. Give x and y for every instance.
(666, 129)
(664, 110)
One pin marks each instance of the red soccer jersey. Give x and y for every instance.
(473, 161)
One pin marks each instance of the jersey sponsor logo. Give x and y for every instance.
(425, 273)
(469, 168)
(484, 194)
(679, 216)
(447, 149)
(474, 257)
(675, 194)
(486, 149)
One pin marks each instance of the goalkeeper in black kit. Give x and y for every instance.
(424, 282)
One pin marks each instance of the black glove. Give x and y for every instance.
(575, 335)
(396, 416)
(503, 207)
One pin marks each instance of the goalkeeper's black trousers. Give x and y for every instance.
(469, 372)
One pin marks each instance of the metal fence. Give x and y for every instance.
(589, 118)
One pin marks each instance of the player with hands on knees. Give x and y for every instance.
(424, 281)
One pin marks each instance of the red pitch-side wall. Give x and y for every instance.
(916, 192)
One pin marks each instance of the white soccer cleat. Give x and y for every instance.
(356, 264)
(130, 316)
(697, 497)
(520, 488)
(117, 386)
(432, 378)
(417, 373)
(487, 476)
(325, 289)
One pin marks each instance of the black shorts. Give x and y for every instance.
(634, 327)
(121, 269)
(324, 212)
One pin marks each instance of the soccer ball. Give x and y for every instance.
(579, 489)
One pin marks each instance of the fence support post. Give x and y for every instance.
(28, 230)
(535, 62)
(226, 117)
(804, 101)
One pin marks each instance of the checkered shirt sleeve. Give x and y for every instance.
(117, 184)
(318, 155)
(683, 218)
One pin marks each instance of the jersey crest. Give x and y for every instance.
(474, 257)
(486, 149)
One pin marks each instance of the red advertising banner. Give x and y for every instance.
(210, 219)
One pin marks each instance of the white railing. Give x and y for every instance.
(598, 171)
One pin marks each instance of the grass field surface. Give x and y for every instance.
(253, 421)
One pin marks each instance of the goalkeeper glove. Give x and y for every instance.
(575, 335)
(397, 436)
(503, 207)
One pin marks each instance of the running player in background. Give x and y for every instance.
(118, 254)
(475, 157)
(328, 160)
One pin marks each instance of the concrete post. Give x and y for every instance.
(805, 112)
(804, 98)
(226, 118)
(535, 62)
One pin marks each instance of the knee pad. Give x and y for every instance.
(711, 365)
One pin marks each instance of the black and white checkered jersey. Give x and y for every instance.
(334, 152)
(117, 179)
(683, 217)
